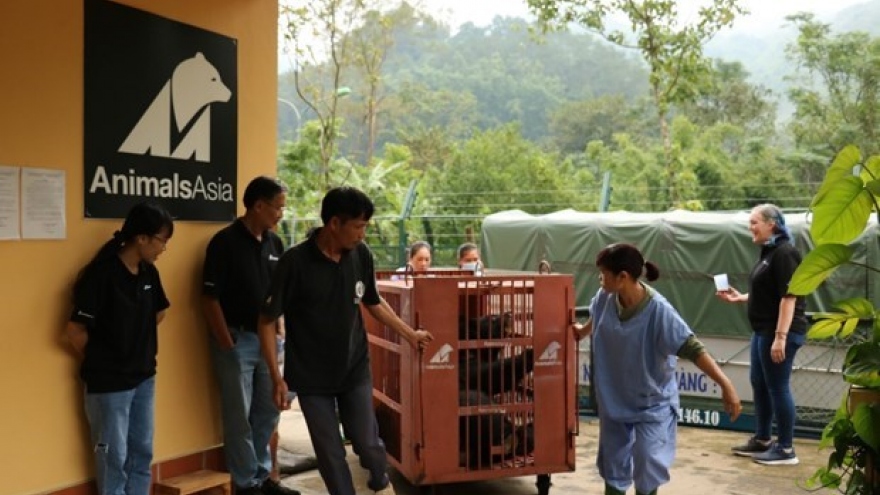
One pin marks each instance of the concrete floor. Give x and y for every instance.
(704, 465)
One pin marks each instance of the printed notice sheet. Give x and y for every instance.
(9, 197)
(42, 204)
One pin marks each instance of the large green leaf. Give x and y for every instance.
(842, 212)
(866, 421)
(862, 365)
(826, 328)
(849, 326)
(871, 169)
(856, 306)
(817, 265)
(842, 166)
(849, 157)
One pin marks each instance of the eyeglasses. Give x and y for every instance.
(274, 206)
(163, 240)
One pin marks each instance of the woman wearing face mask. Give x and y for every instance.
(637, 338)
(469, 258)
(118, 303)
(779, 328)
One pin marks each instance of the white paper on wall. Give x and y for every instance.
(42, 204)
(9, 203)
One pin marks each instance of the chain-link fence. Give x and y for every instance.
(816, 384)
(390, 237)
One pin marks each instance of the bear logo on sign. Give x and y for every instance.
(194, 85)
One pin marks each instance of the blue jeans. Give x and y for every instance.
(122, 438)
(771, 386)
(249, 414)
(359, 422)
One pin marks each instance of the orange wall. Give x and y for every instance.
(43, 434)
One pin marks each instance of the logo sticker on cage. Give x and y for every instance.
(441, 359)
(550, 356)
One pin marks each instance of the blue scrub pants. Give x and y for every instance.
(636, 452)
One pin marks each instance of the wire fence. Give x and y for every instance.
(632, 198)
(447, 219)
(390, 237)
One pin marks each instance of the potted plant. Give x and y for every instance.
(840, 213)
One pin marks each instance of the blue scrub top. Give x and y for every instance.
(634, 360)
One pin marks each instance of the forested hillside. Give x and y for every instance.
(763, 52)
(512, 115)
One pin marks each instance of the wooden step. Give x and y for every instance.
(195, 482)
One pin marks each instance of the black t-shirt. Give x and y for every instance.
(119, 311)
(768, 284)
(238, 269)
(320, 299)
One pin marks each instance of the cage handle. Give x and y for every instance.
(421, 354)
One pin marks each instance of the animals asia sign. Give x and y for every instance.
(161, 121)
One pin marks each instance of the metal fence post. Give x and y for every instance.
(406, 210)
(605, 196)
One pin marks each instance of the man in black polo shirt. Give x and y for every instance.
(238, 268)
(319, 287)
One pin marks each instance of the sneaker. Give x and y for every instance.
(752, 447)
(776, 456)
(272, 487)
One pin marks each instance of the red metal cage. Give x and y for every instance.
(494, 394)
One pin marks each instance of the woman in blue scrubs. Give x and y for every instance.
(637, 338)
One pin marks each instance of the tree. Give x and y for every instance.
(636, 171)
(316, 36)
(577, 123)
(299, 166)
(727, 97)
(735, 168)
(836, 93)
(385, 181)
(498, 169)
(371, 43)
(428, 122)
(673, 50)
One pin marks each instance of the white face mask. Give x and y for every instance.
(474, 266)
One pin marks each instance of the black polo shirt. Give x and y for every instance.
(768, 284)
(119, 311)
(320, 299)
(238, 269)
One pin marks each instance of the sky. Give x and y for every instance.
(764, 14)
(480, 12)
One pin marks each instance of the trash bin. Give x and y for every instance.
(494, 394)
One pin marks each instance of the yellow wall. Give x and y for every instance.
(43, 435)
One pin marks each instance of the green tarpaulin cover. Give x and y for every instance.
(689, 247)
